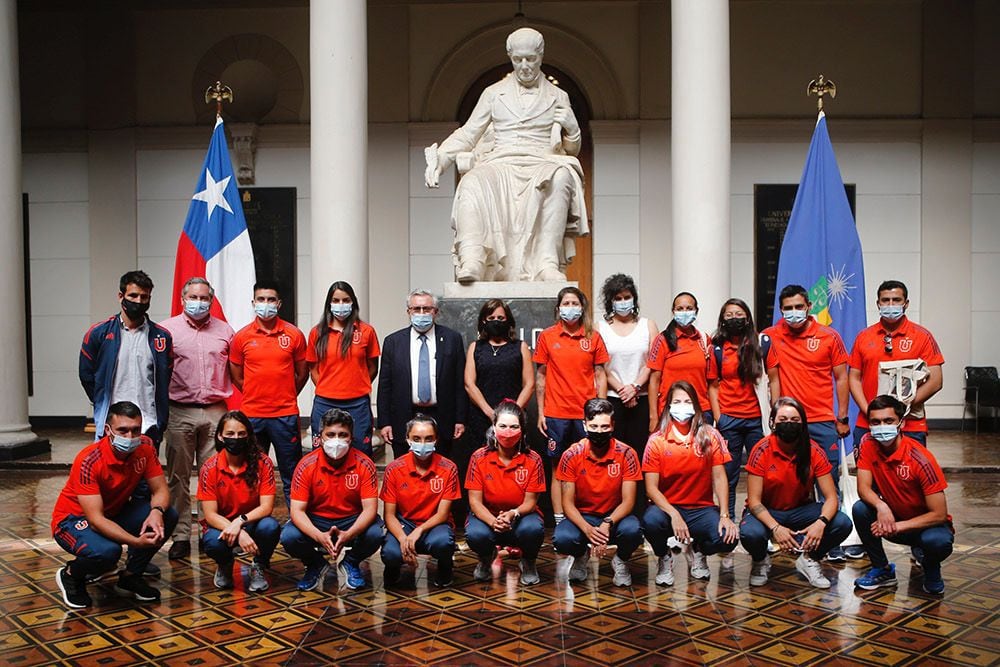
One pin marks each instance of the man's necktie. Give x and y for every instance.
(424, 372)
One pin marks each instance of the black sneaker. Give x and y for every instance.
(74, 591)
(133, 585)
(444, 577)
(151, 570)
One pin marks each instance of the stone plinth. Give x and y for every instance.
(506, 290)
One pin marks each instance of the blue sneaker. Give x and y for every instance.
(933, 583)
(313, 578)
(351, 575)
(877, 577)
(836, 555)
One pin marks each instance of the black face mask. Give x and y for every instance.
(134, 310)
(497, 328)
(599, 438)
(734, 326)
(236, 446)
(788, 431)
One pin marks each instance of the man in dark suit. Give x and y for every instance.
(423, 370)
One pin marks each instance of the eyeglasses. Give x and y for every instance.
(422, 309)
(888, 344)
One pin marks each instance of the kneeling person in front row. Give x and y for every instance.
(236, 492)
(908, 506)
(418, 490)
(96, 514)
(781, 472)
(334, 506)
(597, 478)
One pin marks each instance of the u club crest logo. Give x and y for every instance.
(139, 465)
(585, 344)
(903, 471)
(351, 480)
(160, 344)
(906, 345)
(284, 341)
(521, 476)
(437, 485)
(812, 344)
(356, 337)
(614, 470)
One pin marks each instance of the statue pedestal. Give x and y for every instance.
(532, 304)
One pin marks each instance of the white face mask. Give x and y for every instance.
(336, 448)
(196, 309)
(123, 444)
(885, 433)
(892, 313)
(794, 317)
(681, 412)
(265, 311)
(623, 307)
(422, 450)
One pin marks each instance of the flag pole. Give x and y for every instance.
(220, 93)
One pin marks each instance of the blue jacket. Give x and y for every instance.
(99, 358)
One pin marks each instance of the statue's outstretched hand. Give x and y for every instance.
(564, 116)
(433, 171)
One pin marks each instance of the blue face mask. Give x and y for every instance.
(421, 321)
(623, 307)
(341, 310)
(196, 309)
(685, 317)
(570, 313)
(885, 433)
(891, 313)
(794, 316)
(422, 450)
(265, 311)
(125, 445)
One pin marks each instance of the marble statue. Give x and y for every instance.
(520, 201)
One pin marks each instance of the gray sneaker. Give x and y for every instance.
(483, 571)
(529, 573)
(622, 575)
(223, 578)
(258, 582)
(579, 570)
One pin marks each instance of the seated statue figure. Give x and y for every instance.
(517, 211)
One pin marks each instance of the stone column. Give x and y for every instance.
(700, 152)
(16, 437)
(338, 150)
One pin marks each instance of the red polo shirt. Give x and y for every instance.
(334, 492)
(685, 474)
(503, 486)
(598, 480)
(97, 471)
(344, 377)
(736, 399)
(805, 365)
(688, 362)
(417, 495)
(782, 489)
(268, 359)
(904, 478)
(569, 369)
(230, 491)
(909, 341)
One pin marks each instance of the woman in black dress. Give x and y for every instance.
(497, 366)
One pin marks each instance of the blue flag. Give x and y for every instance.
(821, 250)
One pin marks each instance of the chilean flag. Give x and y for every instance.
(215, 243)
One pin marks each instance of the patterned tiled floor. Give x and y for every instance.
(722, 621)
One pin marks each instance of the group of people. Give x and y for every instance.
(645, 434)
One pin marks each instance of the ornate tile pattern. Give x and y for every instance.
(719, 622)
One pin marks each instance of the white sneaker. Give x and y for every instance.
(223, 576)
(622, 575)
(579, 569)
(698, 563)
(665, 570)
(529, 573)
(483, 571)
(810, 569)
(759, 570)
(258, 582)
(674, 543)
(772, 548)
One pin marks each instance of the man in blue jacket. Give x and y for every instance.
(128, 357)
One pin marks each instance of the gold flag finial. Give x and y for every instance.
(219, 94)
(820, 87)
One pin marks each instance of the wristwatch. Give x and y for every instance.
(156, 507)
(244, 518)
(843, 420)
(608, 520)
